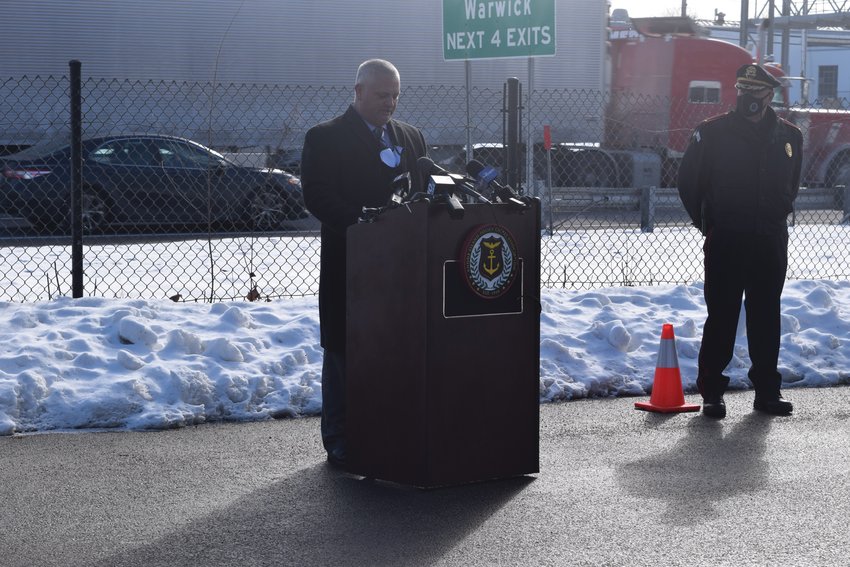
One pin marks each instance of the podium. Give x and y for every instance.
(443, 344)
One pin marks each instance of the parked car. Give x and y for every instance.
(152, 180)
(288, 160)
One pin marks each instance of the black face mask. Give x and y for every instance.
(749, 105)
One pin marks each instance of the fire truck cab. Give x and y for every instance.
(667, 77)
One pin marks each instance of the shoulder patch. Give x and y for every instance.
(710, 125)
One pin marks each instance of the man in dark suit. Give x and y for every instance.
(349, 163)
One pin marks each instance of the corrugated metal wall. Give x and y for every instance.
(304, 42)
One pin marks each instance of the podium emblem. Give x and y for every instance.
(488, 259)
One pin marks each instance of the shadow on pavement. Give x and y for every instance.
(704, 468)
(318, 516)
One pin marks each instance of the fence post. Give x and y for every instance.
(76, 181)
(846, 205)
(547, 145)
(647, 209)
(512, 133)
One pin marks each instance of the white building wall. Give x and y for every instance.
(208, 48)
(798, 66)
(305, 42)
(819, 56)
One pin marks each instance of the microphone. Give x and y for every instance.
(401, 189)
(486, 176)
(440, 184)
(462, 184)
(444, 186)
(466, 186)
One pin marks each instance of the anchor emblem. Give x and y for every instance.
(491, 258)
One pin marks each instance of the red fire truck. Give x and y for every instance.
(667, 78)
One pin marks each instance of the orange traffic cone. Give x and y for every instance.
(667, 395)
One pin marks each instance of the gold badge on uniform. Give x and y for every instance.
(788, 150)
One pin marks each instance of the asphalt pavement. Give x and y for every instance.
(616, 486)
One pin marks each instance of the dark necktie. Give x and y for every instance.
(379, 134)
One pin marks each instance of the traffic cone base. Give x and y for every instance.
(667, 395)
(648, 406)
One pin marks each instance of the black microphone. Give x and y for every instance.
(428, 167)
(463, 184)
(401, 189)
(486, 177)
(467, 186)
(440, 185)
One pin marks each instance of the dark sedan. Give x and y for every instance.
(147, 180)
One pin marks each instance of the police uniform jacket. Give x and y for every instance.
(741, 176)
(341, 172)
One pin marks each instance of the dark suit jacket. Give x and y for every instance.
(341, 172)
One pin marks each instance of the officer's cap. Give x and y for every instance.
(754, 78)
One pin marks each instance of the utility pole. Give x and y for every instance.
(804, 55)
(684, 8)
(770, 16)
(786, 37)
(745, 12)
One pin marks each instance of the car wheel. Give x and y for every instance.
(94, 215)
(267, 209)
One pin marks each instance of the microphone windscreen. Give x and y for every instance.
(426, 165)
(474, 167)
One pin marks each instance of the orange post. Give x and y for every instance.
(667, 395)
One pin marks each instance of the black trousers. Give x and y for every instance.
(333, 402)
(739, 265)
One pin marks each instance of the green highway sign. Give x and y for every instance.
(489, 29)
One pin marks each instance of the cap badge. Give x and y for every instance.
(751, 72)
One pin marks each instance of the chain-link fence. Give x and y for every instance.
(165, 217)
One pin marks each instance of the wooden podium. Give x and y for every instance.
(443, 364)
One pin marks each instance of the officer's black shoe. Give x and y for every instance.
(774, 405)
(712, 395)
(714, 407)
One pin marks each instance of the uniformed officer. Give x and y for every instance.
(738, 181)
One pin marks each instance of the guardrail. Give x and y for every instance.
(647, 200)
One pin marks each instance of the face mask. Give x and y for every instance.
(749, 105)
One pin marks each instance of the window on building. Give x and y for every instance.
(704, 92)
(828, 82)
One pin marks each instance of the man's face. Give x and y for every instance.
(376, 98)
